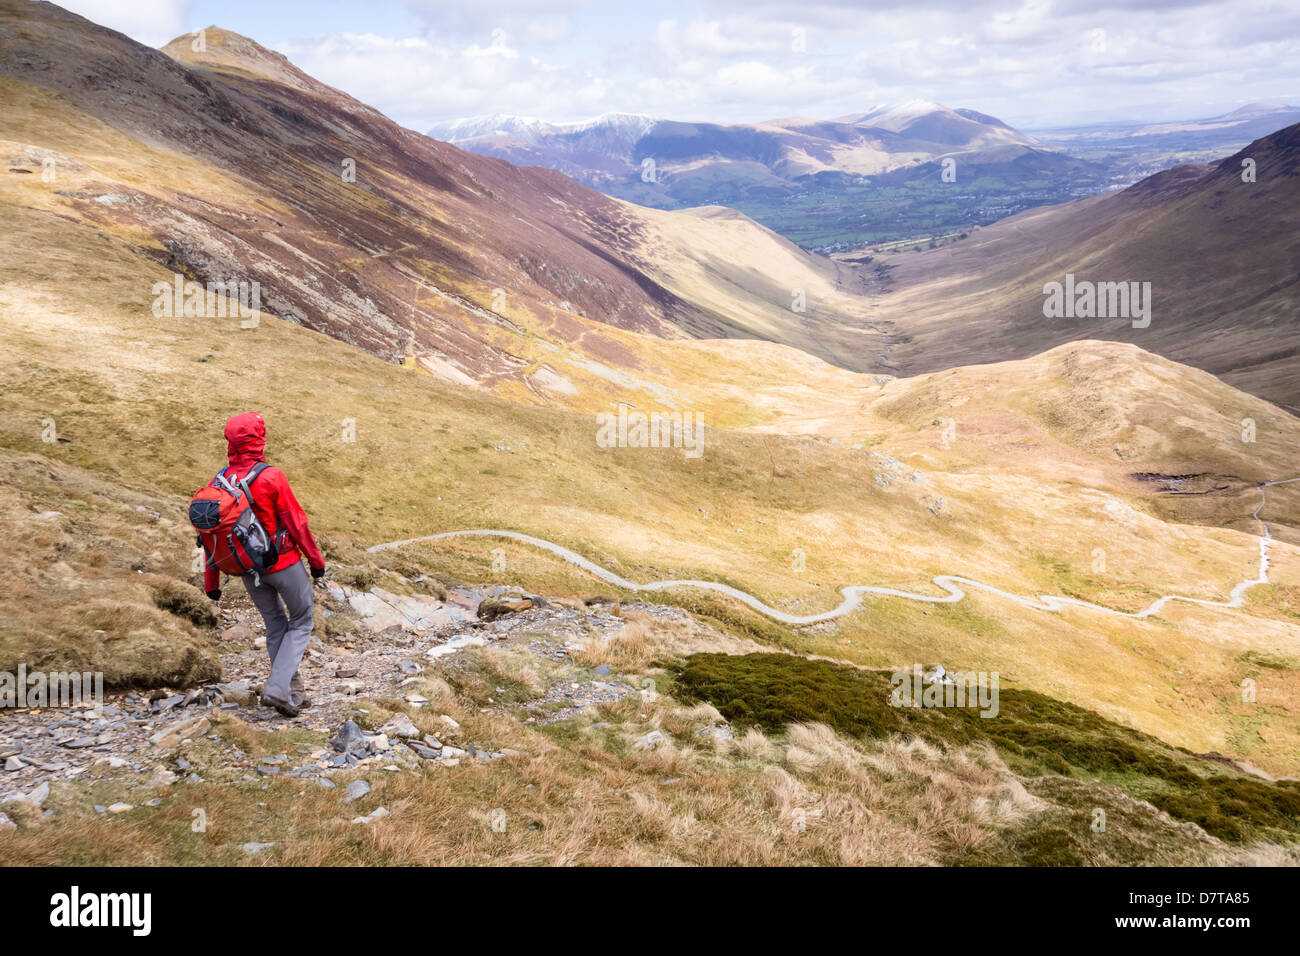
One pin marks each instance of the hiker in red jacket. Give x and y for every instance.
(282, 593)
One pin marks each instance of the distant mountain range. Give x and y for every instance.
(861, 178)
(1135, 150)
(693, 161)
(1246, 123)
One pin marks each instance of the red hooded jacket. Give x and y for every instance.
(273, 499)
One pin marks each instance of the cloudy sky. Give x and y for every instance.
(1033, 63)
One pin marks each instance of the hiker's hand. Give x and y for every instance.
(318, 572)
(215, 595)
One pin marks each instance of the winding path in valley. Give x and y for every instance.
(952, 585)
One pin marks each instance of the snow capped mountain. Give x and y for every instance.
(525, 128)
(531, 130)
(891, 116)
(934, 122)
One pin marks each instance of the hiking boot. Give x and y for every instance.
(284, 707)
(297, 691)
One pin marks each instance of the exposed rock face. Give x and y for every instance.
(493, 608)
(381, 609)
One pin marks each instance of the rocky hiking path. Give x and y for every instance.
(393, 642)
(952, 585)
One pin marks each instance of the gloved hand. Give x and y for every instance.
(318, 572)
(215, 595)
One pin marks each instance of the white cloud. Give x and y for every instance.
(734, 60)
(153, 22)
(541, 21)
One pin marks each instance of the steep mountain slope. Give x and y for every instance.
(227, 163)
(1219, 252)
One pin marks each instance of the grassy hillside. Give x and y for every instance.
(481, 272)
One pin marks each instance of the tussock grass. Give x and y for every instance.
(645, 640)
(187, 601)
(1036, 735)
(103, 584)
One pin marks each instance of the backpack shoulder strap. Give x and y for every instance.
(224, 483)
(246, 482)
(221, 481)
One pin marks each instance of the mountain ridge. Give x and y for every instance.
(778, 143)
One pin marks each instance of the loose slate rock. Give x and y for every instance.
(355, 790)
(426, 753)
(400, 726)
(350, 739)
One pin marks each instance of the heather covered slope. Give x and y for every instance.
(1220, 253)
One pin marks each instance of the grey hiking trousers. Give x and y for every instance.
(287, 634)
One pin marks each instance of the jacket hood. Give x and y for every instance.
(246, 439)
